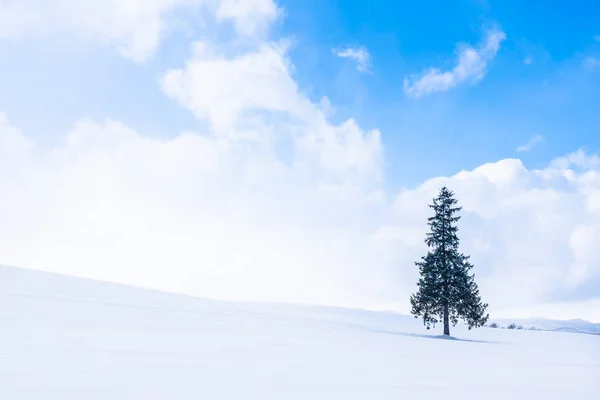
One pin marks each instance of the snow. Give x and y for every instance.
(70, 338)
(574, 325)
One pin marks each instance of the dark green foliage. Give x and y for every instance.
(447, 291)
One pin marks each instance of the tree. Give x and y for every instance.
(446, 289)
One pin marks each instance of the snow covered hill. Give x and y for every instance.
(574, 325)
(68, 338)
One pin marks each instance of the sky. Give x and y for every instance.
(286, 151)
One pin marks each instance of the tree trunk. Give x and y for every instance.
(446, 320)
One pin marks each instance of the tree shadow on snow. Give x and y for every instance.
(426, 336)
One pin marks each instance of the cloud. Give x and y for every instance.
(360, 55)
(597, 38)
(248, 200)
(528, 60)
(471, 66)
(135, 27)
(534, 141)
(248, 16)
(226, 217)
(578, 159)
(240, 96)
(273, 201)
(198, 214)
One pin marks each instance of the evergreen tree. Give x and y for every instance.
(446, 289)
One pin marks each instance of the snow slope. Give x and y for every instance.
(68, 338)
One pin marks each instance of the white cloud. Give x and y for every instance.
(275, 202)
(135, 27)
(222, 210)
(471, 66)
(597, 38)
(534, 141)
(578, 159)
(360, 55)
(196, 214)
(248, 16)
(241, 95)
(224, 217)
(528, 60)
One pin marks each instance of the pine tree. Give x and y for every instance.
(446, 289)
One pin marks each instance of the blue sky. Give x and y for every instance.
(153, 125)
(554, 96)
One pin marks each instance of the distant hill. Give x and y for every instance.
(544, 324)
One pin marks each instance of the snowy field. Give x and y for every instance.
(68, 338)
